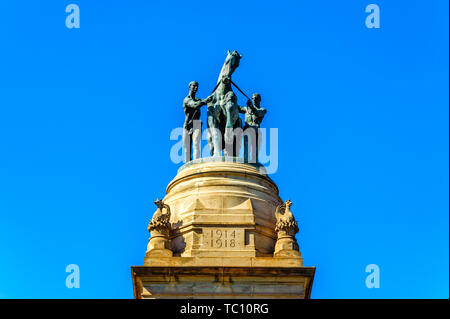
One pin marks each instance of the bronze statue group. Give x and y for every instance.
(225, 130)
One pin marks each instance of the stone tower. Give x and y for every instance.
(222, 231)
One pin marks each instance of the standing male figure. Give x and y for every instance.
(192, 126)
(254, 115)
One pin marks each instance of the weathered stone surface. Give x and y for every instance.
(211, 261)
(222, 282)
(223, 231)
(222, 209)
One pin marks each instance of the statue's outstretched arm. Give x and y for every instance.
(260, 112)
(193, 104)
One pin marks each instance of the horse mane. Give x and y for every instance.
(226, 65)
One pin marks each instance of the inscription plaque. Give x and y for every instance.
(223, 238)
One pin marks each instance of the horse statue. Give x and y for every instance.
(223, 112)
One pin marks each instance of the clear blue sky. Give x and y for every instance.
(86, 115)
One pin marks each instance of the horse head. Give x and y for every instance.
(233, 59)
(230, 65)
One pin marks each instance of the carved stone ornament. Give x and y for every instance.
(286, 228)
(160, 220)
(285, 219)
(159, 228)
